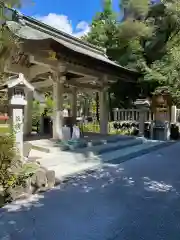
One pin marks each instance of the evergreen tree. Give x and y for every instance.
(146, 40)
(103, 32)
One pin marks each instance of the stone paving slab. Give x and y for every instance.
(62, 165)
(67, 170)
(56, 158)
(48, 145)
(39, 154)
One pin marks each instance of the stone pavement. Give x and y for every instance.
(63, 166)
(135, 200)
(67, 163)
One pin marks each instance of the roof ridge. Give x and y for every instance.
(67, 40)
(76, 40)
(71, 38)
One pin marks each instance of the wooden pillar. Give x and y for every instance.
(28, 110)
(74, 104)
(103, 112)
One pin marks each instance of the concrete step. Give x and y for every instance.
(108, 147)
(100, 145)
(127, 153)
(86, 154)
(49, 146)
(118, 145)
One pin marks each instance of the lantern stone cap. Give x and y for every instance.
(142, 103)
(20, 80)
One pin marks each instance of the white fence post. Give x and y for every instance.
(115, 112)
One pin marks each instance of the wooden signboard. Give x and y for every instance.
(161, 107)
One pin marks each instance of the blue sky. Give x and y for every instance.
(72, 16)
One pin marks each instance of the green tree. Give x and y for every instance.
(5, 14)
(121, 41)
(103, 32)
(163, 51)
(103, 27)
(147, 41)
(7, 42)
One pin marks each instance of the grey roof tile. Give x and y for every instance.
(29, 28)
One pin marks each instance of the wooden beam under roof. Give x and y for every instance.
(66, 67)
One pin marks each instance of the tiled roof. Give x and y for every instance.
(30, 28)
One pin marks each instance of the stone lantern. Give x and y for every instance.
(143, 106)
(16, 96)
(161, 107)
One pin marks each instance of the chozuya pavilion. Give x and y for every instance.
(51, 59)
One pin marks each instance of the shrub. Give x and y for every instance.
(36, 113)
(8, 160)
(4, 129)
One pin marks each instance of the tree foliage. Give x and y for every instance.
(6, 14)
(103, 27)
(7, 42)
(147, 40)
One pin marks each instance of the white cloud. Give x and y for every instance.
(63, 23)
(82, 28)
